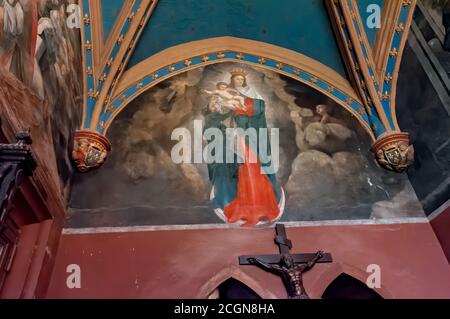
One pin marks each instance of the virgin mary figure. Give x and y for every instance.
(244, 191)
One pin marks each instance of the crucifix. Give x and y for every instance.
(290, 267)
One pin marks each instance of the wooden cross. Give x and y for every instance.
(289, 267)
(284, 246)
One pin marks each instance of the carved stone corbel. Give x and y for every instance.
(394, 152)
(90, 150)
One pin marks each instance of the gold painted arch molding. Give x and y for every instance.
(89, 148)
(188, 56)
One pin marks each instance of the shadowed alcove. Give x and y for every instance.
(347, 287)
(233, 289)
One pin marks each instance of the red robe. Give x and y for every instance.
(255, 200)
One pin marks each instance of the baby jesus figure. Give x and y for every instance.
(224, 97)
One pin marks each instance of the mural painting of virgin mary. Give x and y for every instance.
(244, 191)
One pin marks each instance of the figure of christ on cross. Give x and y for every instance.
(290, 267)
(290, 272)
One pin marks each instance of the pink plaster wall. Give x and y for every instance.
(191, 263)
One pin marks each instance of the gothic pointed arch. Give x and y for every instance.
(233, 272)
(348, 287)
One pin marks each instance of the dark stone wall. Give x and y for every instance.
(421, 113)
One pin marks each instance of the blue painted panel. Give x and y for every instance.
(110, 12)
(362, 6)
(304, 27)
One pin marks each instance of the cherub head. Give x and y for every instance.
(214, 105)
(222, 86)
(322, 109)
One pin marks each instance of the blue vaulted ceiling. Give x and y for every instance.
(302, 26)
(363, 5)
(110, 12)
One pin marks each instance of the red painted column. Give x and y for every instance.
(441, 225)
